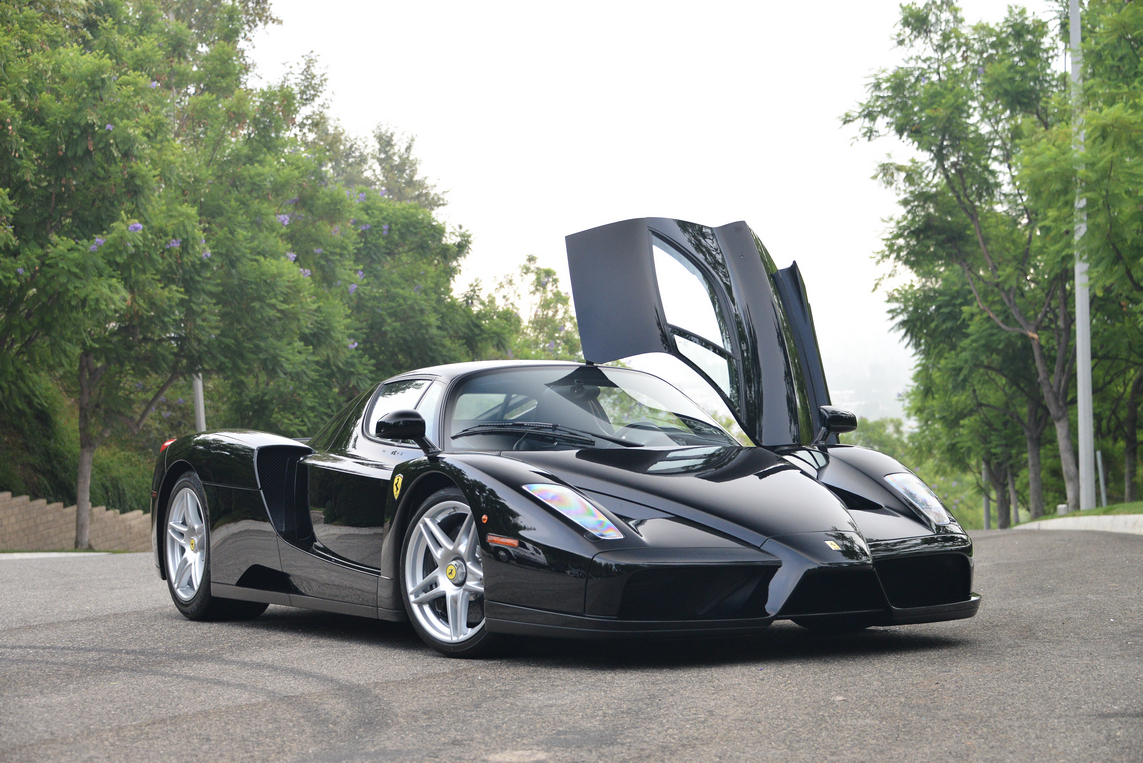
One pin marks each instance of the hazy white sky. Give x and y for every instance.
(543, 119)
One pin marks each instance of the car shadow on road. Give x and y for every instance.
(346, 628)
(780, 643)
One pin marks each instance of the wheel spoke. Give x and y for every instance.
(422, 592)
(194, 512)
(182, 573)
(457, 613)
(178, 533)
(435, 538)
(464, 538)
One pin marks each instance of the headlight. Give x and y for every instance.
(576, 508)
(920, 497)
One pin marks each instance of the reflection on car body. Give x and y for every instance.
(581, 500)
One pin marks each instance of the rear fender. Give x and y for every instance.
(227, 463)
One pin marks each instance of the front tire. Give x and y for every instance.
(442, 576)
(186, 552)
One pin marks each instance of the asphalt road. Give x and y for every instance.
(95, 663)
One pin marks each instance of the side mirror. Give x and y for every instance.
(405, 425)
(834, 421)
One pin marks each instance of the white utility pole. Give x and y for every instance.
(1085, 423)
(199, 404)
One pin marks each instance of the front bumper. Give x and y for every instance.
(524, 621)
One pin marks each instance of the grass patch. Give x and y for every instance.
(1135, 507)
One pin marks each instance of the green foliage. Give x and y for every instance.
(550, 331)
(161, 216)
(886, 436)
(986, 306)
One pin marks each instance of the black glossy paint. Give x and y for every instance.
(613, 284)
(715, 539)
(240, 534)
(792, 293)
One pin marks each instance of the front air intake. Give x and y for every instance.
(824, 592)
(926, 581)
(696, 593)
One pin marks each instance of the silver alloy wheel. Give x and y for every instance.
(186, 544)
(443, 573)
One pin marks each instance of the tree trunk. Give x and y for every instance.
(1131, 438)
(1068, 463)
(1013, 498)
(1035, 475)
(998, 478)
(1034, 439)
(1056, 400)
(89, 376)
(83, 498)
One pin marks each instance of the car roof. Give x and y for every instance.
(452, 371)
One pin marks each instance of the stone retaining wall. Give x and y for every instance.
(27, 525)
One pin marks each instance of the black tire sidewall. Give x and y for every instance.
(198, 608)
(479, 644)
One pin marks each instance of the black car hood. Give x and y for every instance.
(747, 493)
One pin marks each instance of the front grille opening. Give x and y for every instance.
(926, 581)
(832, 591)
(696, 593)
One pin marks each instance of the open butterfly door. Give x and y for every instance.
(712, 298)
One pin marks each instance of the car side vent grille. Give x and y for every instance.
(926, 581)
(696, 593)
(823, 592)
(277, 465)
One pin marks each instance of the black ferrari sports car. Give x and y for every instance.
(582, 500)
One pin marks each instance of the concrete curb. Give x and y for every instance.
(1113, 523)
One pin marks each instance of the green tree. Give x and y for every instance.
(966, 99)
(549, 330)
(1109, 178)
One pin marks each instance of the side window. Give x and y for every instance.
(692, 313)
(685, 294)
(394, 396)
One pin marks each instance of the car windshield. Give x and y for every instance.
(545, 408)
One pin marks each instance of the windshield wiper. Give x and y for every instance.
(568, 434)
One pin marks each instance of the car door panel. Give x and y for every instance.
(347, 505)
(616, 282)
(313, 575)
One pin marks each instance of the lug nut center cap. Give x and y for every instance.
(455, 571)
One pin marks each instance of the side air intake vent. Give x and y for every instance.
(277, 466)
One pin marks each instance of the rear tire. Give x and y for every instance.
(442, 576)
(186, 556)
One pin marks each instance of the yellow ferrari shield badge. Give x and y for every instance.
(397, 486)
(833, 545)
(450, 572)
